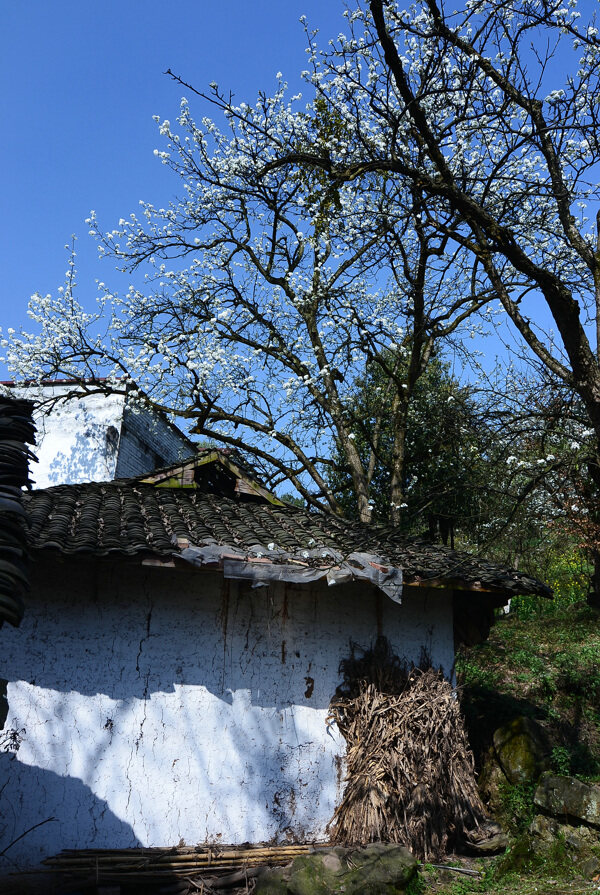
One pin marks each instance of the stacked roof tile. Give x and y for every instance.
(16, 432)
(127, 519)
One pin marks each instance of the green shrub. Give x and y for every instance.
(416, 886)
(568, 574)
(517, 809)
(474, 673)
(560, 758)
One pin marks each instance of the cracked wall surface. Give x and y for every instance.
(157, 706)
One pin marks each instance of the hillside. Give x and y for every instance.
(542, 661)
(544, 664)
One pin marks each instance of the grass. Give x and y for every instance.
(439, 882)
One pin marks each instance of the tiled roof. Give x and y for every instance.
(127, 519)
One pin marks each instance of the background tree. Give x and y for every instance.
(446, 456)
(533, 487)
(548, 500)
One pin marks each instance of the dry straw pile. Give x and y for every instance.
(410, 773)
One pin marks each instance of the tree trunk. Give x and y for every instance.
(359, 476)
(399, 423)
(593, 597)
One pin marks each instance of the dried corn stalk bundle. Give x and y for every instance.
(410, 774)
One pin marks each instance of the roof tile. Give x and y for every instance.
(134, 518)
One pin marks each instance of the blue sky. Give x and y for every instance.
(80, 84)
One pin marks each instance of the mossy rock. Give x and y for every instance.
(491, 781)
(376, 869)
(554, 847)
(544, 828)
(273, 881)
(577, 838)
(530, 853)
(522, 750)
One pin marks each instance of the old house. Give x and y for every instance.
(171, 678)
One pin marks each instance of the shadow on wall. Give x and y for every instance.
(189, 768)
(210, 726)
(80, 816)
(91, 455)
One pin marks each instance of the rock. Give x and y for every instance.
(572, 837)
(332, 862)
(568, 797)
(531, 852)
(590, 867)
(551, 844)
(543, 827)
(548, 829)
(491, 846)
(375, 869)
(487, 839)
(521, 749)
(273, 881)
(490, 782)
(484, 831)
(522, 855)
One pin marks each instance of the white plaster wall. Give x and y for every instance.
(153, 707)
(71, 441)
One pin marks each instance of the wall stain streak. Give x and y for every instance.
(225, 593)
(379, 611)
(284, 608)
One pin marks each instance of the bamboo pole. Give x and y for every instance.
(147, 862)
